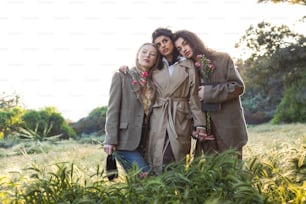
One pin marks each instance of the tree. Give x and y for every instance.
(47, 119)
(278, 59)
(302, 2)
(266, 39)
(10, 120)
(8, 101)
(94, 123)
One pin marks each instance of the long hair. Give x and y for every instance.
(195, 43)
(166, 32)
(150, 86)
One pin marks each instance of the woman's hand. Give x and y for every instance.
(109, 149)
(123, 69)
(201, 135)
(201, 93)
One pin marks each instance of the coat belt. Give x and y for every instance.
(169, 110)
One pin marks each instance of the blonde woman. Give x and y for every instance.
(130, 99)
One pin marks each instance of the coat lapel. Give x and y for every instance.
(168, 84)
(179, 75)
(134, 87)
(161, 78)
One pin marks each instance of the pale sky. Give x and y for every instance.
(63, 53)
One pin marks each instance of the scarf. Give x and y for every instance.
(144, 88)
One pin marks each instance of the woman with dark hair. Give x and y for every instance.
(220, 91)
(176, 110)
(131, 98)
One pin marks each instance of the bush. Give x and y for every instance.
(10, 120)
(47, 119)
(293, 105)
(94, 123)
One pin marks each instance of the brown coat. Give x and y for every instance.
(125, 114)
(228, 123)
(176, 110)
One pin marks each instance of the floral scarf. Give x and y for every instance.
(143, 87)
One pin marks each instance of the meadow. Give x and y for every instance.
(271, 153)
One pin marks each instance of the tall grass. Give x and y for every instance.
(273, 170)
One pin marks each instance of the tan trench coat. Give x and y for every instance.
(175, 112)
(229, 123)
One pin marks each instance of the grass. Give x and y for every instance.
(85, 156)
(262, 138)
(267, 153)
(266, 137)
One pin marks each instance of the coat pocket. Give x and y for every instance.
(183, 123)
(124, 125)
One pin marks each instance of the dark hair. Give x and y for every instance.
(162, 31)
(166, 32)
(195, 43)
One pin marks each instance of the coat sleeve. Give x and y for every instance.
(229, 87)
(113, 112)
(194, 101)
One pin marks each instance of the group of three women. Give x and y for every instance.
(156, 106)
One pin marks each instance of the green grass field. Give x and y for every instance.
(262, 138)
(275, 157)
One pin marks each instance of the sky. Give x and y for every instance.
(62, 53)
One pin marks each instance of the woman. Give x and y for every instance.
(177, 107)
(131, 97)
(221, 92)
(176, 110)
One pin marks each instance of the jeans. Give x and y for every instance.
(128, 158)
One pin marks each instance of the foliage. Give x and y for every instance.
(278, 60)
(8, 101)
(94, 123)
(293, 105)
(257, 104)
(9, 141)
(35, 135)
(302, 2)
(10, 120)
(271, 175)
(219, 179)
(266, 39)
(47, 119)
(280, 174)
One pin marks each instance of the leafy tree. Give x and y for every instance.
(10, 120)
(302, 2)
(278, 60)
(47, 119)
(8, 101)
(293, 105)
(93, 123)
(265, 39)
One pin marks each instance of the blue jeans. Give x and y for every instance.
(128, 158)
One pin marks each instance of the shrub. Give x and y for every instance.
(293, 105)
(47, 119)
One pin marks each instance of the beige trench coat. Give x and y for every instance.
(175, 112)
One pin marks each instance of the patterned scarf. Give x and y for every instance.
(143, 86)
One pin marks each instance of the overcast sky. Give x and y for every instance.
(62, 53)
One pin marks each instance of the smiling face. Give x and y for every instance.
(184, 48)
(147, 57)
(164, 45)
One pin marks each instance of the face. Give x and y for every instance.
(164, 45)
(184, 48)
(147, 56)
